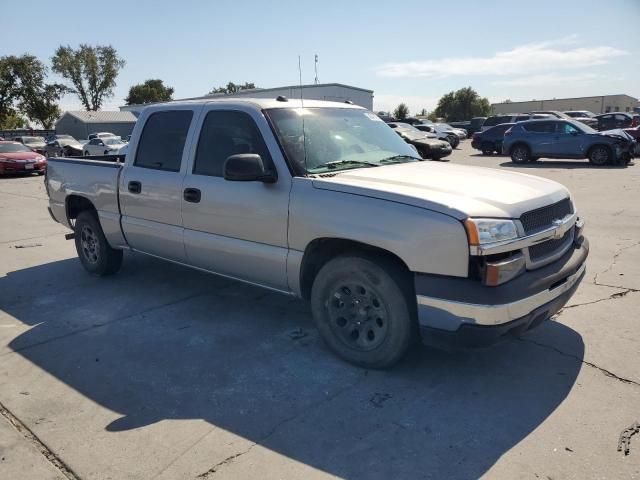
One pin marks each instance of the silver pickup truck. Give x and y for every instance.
(324, 201)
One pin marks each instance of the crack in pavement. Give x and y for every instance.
(613, 296)
(33, 439)
(613, 262)
(276, 427)
(604, 371)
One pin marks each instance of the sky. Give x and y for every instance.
(407, 51)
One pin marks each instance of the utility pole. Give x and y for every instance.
(316, 68)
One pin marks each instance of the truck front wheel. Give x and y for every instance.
(362, 309)
(95, 253)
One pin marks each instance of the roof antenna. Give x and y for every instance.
(304, 135)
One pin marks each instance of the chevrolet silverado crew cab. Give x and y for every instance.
(324, 201)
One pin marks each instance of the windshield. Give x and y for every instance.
(112, 141)
(337, 139)
(67, 141)
(582, 113)
(582, 127)
(33, 139)
(445, 126)
(13, 148)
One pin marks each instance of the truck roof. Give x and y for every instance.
(261, 103)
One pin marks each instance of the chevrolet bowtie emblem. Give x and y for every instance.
(557, 233)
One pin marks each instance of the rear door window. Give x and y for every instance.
(162, 140)
(492, 121)
(540, 127)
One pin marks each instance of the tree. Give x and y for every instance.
(11, 120)
(233, 88)
(148, 92)
(43, 105)
(401, 112)
(22, 86)
(462, 104)
(423, 112)
(92, 72)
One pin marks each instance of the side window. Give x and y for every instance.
(540, 127)
(93, 142)
(162, 140)
(522, 118)
(566, 128)
(226, 133)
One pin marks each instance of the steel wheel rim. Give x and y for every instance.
(600, 156)
(89, 244)
(357, 316)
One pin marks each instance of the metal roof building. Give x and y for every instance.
(598, 104)
(333, 92)
(80, 124)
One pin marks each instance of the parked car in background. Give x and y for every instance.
(580, 114)
(494, 120)
(101, 135)
(555, 113)
(475, 125)
(490, 140)
(16, 157)
(37, 144)
(63, 146)
(609, 121)
(441, 133)
(533, 139)
(460, 132)
(103, 146)
(427, 146)
(635, 133)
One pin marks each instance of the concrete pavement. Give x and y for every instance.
(164, 372)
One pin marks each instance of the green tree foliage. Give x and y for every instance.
(148, 92)
(23, 88)
(462, 104)
(401, 112)
(233, 88)
(423, 112)
(11, 120)
(92, 72)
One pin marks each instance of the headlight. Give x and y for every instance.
(488, 230)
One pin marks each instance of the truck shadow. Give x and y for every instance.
(159, 341)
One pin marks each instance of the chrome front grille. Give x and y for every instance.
(543, 217)
(550, 247)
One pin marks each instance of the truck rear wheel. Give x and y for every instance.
(95, 253)
(362, 309)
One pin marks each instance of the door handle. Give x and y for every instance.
(135, 187)
(192, 195)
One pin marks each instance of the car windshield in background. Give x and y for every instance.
(337, 139)
(582, 127)
(67, 141)
(581, 113)
(33, 139)
(112, 141)
(13, 148)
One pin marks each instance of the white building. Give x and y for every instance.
(599, 104)
(334, 92)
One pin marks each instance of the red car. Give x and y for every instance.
(17, 158)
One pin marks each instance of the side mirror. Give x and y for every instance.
(247, 167)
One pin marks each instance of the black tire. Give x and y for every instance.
(487, 148)
(520, 153)
(363, 310)
(533, 159)
(96, 255)
(600, 155)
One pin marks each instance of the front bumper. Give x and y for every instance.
(460, 312)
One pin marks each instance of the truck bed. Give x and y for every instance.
(93, 178)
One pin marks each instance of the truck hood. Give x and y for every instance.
(456, 190)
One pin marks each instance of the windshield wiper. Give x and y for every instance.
(398, 158)
(336, 163)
